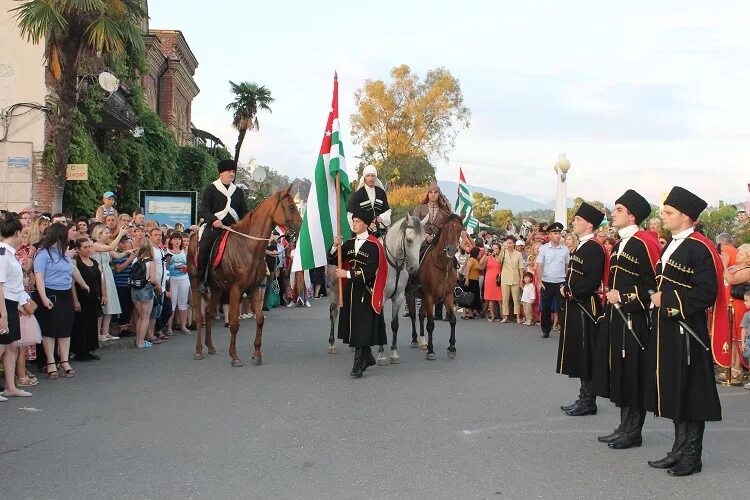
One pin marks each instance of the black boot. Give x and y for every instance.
(571, 406)
(680, 435)
(690, 460)
(357, 367)
(631, 436)
(611, 437)
(367, 358)
(587, 405)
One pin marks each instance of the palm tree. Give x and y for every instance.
(249, 98)
(75, 33)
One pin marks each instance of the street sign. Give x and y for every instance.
(77, 172)
(19, 162)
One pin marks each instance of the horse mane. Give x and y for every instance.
(245, 224)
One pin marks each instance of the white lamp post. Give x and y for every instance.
(561, 210)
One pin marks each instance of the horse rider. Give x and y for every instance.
(435, 209)
(370, 195)
(223, 205)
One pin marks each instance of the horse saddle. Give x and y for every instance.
(217, 249)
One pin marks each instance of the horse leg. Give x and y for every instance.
(395, 311)
(451, 316)
(411, 305)
(427, 310)
(198, 318)
(430, 328)
(234, 323)
(214, 297)
(257, 357)
(333, 313)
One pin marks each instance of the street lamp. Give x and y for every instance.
(561, 210)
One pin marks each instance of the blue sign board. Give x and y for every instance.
(170, 207)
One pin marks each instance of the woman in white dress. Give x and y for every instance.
(103, 251)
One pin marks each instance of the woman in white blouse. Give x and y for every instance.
(12, 295)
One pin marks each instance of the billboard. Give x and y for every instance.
(170, 207)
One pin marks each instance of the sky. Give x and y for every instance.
(638, 94)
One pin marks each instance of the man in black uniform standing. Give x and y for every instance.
(582, 306)
(361, 323)
(223, 205)
(620, 360)
(370, 195)
(689, 280)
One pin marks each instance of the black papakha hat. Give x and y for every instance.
(686, 202)
(363, 214)
(636, 205)
(225, 165)
(590, 213)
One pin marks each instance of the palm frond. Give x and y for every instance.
(38, 19)
(54, 61)
(105, 35)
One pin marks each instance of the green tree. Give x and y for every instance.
(718, 220)
(577, 204)
(249, 98)
(408, 118)
(500, 218)
(77, 33)
(483, 207)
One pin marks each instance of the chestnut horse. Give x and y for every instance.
(437, 279)
(242, 269)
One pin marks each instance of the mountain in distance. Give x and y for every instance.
(514, 202)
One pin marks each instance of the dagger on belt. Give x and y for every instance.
(625, 320)
(684, 326)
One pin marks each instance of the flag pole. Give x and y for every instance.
(338, 233)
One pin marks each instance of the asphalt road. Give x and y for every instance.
(157, 424)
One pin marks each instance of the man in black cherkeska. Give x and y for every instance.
(370, 195)
(223, 205)
(361, 323)
(586, 271)
(620, 360)
(689, 280)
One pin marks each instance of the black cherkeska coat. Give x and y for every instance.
(576, 350)
(617, 377)
(359, 324)
(214, 201)
(675, 389)
(360, 199)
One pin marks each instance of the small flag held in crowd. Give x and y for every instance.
(319, 222)
(465, 205)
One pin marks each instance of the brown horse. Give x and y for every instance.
(437, 279)
(242, 269)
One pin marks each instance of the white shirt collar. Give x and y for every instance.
(362, 236)
(683, 234)
(5, 245)
(583, 239)
(628, 232)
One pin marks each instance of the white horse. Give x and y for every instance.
(401, 243)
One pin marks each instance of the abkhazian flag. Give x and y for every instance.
(465, 205)
(319, 222)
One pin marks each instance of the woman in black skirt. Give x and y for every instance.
(54, 273)
(11, 293)
(87, 305)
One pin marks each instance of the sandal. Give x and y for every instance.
(69, 372)
(156, 340)
(52, 375)
(26, 382)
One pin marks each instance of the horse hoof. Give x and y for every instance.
(381, 360)
(198, 356)
(236, 363)
(212, 350)
(431, 356)
(332, 349)
(395, 358)
(414, 344)
(423, 343)
(257, 361)
(451, 354)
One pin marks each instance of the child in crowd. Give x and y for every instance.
(107, 207)
(528, 297)
(745, 326)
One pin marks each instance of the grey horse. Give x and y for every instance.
(401, 243)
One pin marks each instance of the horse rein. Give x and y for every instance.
(226, 228)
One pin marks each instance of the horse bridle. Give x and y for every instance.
(399, 263)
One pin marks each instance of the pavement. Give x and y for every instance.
(155, 423)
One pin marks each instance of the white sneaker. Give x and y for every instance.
(307, 303)
(747, 386)
(291, 304)
(3, 399)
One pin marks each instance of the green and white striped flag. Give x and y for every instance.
(319, 222)
(465, 204)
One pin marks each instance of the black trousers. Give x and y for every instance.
(548, 294)
(126, 304)
(210, 234)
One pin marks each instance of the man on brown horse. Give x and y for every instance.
(361, 323)
(223, 205)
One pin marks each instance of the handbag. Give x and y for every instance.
(738, 291)
(463, 298)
